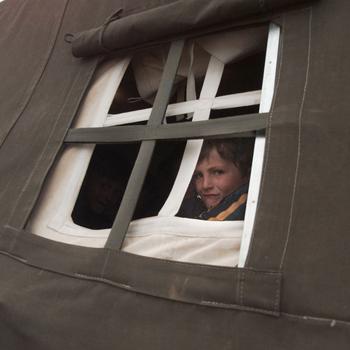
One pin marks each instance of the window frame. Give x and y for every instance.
(79, 129)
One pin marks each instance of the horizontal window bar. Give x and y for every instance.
(227, 127)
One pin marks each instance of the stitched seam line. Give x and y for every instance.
(241, 290)
(296, 176)
(238, 284)
(104, 267)
(200, 302)
(103, 280)
(307, 318)
(140, 291)
(278, 295)
(15, 257)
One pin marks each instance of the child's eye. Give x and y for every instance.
(218, 172)
(197, 176)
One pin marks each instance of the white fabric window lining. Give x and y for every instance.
(259, 147)
(52, 213)
(242, 99)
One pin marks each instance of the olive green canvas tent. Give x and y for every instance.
(65, 286)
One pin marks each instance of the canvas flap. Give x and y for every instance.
(182, 17)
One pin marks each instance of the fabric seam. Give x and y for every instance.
(296, 175)
(133, 289)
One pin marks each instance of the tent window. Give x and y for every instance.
(219, 80)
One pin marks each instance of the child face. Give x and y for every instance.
(104, 194)
(215, 178)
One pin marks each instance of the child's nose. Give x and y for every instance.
(207, 182)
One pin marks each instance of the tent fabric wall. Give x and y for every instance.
(304, 203)
(14, 25)
(50, 83)
(55, 296)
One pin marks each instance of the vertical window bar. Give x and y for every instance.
(137, 177)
